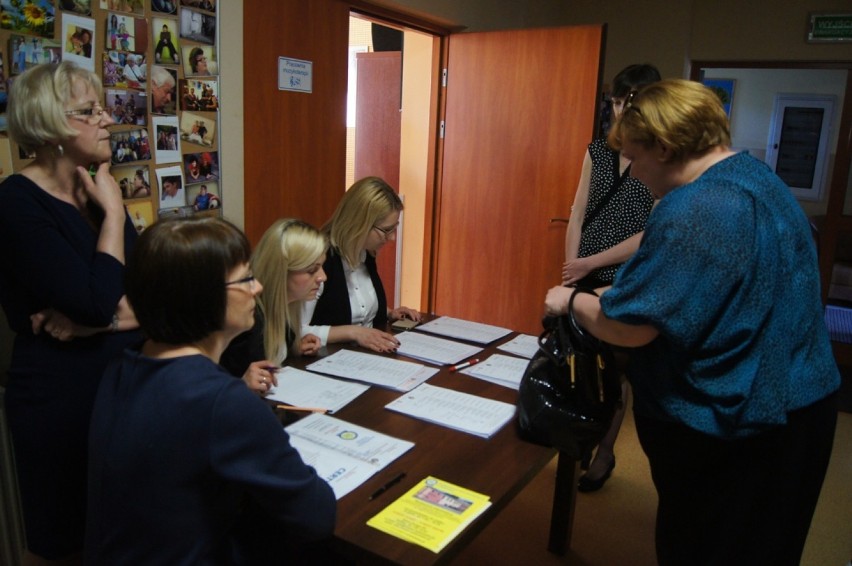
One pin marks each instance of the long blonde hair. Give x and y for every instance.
(288, 245)
(366, 202)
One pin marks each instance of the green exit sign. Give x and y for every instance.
(830, 27)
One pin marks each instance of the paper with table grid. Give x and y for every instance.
(464, 329)
(432, 349)
(374, 369)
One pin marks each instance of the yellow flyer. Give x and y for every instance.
(431, 514)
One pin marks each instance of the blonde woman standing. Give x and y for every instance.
(288, 261)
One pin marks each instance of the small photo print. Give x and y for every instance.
(164, 6)
(27, 52)
(443, 500)
(128, 70)
(163, 90)
(197, 26)
(36, 17)
(171, 213)
(168, 142)
(133, 181)
(199, 60)
(129, 146)
(133, 6)
(209, 5)
(142, 215)
(83, 7)
(204, 196)
(199, 94)
(124, 33)
(126, 107)
(164, 32)
(200, 167)
(172, 193)
(197, 129)
(78, 37)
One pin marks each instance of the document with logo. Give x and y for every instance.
(431, 514)
(343, 454)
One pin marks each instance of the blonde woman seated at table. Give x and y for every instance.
(351, 306)
(289, 258)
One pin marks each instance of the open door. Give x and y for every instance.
(520, 111)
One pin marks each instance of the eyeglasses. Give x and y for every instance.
(250, 279)
(386, 232)
(91, 116)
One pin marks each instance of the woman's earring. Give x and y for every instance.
(60, 149)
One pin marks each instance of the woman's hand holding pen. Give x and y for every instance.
(260, 376)
(376, 340)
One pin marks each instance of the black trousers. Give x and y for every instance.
(738, 501)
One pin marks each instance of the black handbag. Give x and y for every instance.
(570, 389)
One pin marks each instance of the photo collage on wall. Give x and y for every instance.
(158, 63)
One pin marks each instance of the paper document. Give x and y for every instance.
(431, 514)
(453, 409)
(502, 370)
(393, 374)
(344, 454)
(522, 345)
(434, 350)
(464, 329)
(304, 389)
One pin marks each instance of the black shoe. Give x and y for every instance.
(586, 461)
(587, 485)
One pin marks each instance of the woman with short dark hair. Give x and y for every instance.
(184, 459)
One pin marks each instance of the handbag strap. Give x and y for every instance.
(607, 197)
(575, 328)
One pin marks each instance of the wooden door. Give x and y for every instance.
(377, 139)
(520, 111)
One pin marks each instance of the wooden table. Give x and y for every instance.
(499, 467)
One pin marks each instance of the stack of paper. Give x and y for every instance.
(502, 370)
(344, 454)
(377, 370)
(454, 409)
(464, 329)
(300, 388)
(431, 514)
(522, 345)
(434, 350)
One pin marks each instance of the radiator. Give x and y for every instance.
(11, 521)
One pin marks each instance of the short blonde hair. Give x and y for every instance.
(37, 102)
(366, 202)
(685, 116)
(288, 245)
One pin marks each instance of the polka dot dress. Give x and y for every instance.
(623, 215)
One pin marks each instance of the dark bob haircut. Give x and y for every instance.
(633, 77)
(175, 277)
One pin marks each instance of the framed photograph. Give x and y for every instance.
(133, 180)
(164, 35)
(163, 90)
(197, 26)
(199, 94)
(199, 60)
(35, 17)
(78, 37)
(129, 146)
(27, 52)
(172, 192)
(198, 129)
(126, 106)
(124, 33)
(203, 196)
(168, 141)
(142, 215)
(201, 167)
(724, 89)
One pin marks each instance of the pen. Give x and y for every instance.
(464, 365)
(396, 479)
(271, 369)
(306, 409)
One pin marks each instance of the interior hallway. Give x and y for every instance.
(615, 526)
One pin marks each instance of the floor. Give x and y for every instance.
(615, 526)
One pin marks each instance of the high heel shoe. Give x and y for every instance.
(588, 485)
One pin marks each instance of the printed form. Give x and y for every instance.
(433, 350)
(502, 370)
(304, 389)
(464, 329)
(385, 372)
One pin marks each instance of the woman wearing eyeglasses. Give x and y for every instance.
(66, 235)
(351, 306)
(289, 259)
(607, 219)
(186, 465)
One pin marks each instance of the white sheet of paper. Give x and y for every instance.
(464, 329)
(522, 345)
(305, 389)
(385, 372)
(502, 370)
(454, 409)
(432, 349)
(344, 454)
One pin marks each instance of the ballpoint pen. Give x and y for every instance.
(395, 480)
(464, 365)
(305, 409)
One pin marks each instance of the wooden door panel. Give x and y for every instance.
(520, 112)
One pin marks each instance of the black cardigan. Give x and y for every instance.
(333, 307)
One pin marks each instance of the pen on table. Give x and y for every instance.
(468, 363)
(396, 479)
(305, 409)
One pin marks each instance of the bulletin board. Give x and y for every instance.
(158, 61)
